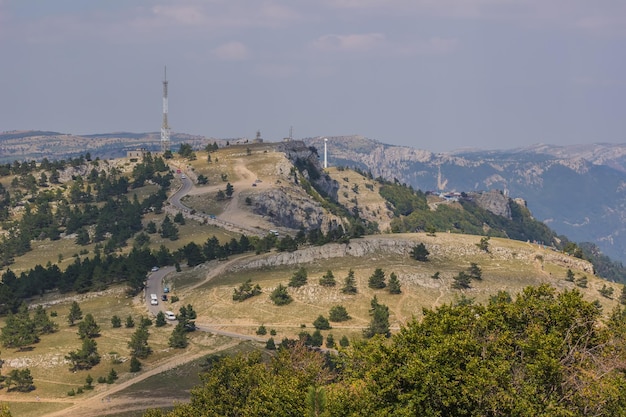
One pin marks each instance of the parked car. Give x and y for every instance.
(170, 315)
(166, 289)
(155, 268)
(164, 297)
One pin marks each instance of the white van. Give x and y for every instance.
(154, 300)
(170, 315)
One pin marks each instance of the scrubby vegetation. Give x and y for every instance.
(541, 353)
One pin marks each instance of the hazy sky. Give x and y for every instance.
(432, 74)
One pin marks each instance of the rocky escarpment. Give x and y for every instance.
(295, 211)
(291, 206)
(306, 159)
(495, 202)
(398, 245)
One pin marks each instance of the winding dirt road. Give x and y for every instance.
(234, 218)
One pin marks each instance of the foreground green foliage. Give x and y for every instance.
(540, 354)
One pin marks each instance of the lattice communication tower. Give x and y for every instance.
(165, 128)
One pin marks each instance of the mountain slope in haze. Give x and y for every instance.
(579, 191)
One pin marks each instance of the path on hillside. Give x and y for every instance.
(102, 404)
(233, 217)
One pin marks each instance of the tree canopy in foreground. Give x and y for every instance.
(542, 353)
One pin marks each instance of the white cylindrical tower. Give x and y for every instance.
(325, 153)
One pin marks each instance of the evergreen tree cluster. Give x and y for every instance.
(246, 290)
(48, 213)
(82, 275)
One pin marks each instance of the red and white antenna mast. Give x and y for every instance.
(165, 128)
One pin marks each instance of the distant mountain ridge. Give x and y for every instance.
(579, 190)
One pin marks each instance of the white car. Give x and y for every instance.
(170, 315)
(154, 300)
(155, 268)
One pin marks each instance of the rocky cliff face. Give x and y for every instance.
(495, 202)
(579, 191)
(402, 245)
(307, 159)
(290, 206)
(286, 208)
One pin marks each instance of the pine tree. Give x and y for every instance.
(75, 313)
(338, 313)
(270, 344)
(394, 284)
(138, 344)
(43, 323)
(116, 322)
(420, 253)
(316, 338)
(160, 319)
(229, 190)
(461, 281)
(380, 320)
(21, 378)
(169, 229)
(179, 218)
(475, 272)
(86, 357)
(89, 382)
(112, 376)
(280, 296)
(135, 364)
(19, 330)
(178, 338)
(349, 286)
(330, 341)
(299, 278)
(328, 279)
(377, 279)
(82, 237)
(321, 323)
(88, 328)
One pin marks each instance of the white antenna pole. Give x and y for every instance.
(325, 153)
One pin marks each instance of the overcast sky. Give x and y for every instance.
(431, 74)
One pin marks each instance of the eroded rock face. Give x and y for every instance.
(495, 202)
(308, 160)
(292, 207)
(362, 248)
(288, 209)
